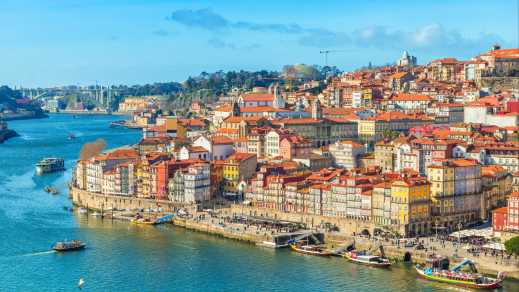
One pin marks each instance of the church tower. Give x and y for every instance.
(235, 109)
(317, 111)
(278, 101)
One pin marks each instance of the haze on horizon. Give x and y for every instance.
(65, 42)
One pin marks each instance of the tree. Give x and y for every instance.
(512, 245)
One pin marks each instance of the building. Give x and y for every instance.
(381, 204)
(455, 191)
(238, 168)
(499, 220)
(406, 60)
(346, 153)
(294, 146)
(410, 206)
(513, 212)
(321, 131)
(191, 185)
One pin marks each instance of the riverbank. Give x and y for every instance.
(7, 134)
(23, 116)
(253, 235)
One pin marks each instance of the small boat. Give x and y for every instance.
(311, 249)
(51, 190)
(367, 259)
(71, 136)
(271, 244)
(82, 210)
(146, 221)
(69, 245)
(81, 283)
(436, 269)
(96, 214)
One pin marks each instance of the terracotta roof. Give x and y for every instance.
(261, 109)
(397, 75)
(255, 97)
(504, 53)
(123, 154)
(224, 108)
(411, 97)
(220, 140)
(239, 156)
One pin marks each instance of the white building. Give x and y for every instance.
(218, 147)
(346, 153)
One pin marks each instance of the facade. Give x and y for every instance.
(238, 168)
(191, 185)
(346, 153)
(455, 191)
(410, 206)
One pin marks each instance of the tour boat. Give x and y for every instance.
(366, 259)
(435, 271)
(69, 245)
(310, 250)
(50, 164)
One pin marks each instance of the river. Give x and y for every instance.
(125, 257)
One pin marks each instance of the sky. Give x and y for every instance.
(79, 42)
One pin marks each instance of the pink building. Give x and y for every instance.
(295, 146)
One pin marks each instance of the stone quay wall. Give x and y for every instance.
(345, 225)
(99, 202)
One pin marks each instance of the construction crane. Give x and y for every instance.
(326, 52)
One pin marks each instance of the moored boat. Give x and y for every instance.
(310, 249)
(436, 269)
(146, 221)
(69, 245)
(367, 259)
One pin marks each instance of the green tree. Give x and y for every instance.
(512, 245)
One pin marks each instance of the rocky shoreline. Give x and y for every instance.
(7, 134)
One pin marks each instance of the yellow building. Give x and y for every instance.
(132, 104)
(456, 192)
(442, 189)
(236, 169)
(410, 206)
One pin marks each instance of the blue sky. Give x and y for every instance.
(60, 42)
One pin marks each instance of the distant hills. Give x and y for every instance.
(14, 106)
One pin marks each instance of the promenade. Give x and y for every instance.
(228, 221)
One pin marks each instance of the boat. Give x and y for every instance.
(96, 214)
(82, 210)
(81, 283)
(51, 190)
(367, 259)
(310, 249)
(146, 221)
(437, 269)
(69, 245)
(71, 136)
(271, 244)
(50, 164)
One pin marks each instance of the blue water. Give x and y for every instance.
(125, 257)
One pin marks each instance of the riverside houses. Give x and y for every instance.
(402, 149)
